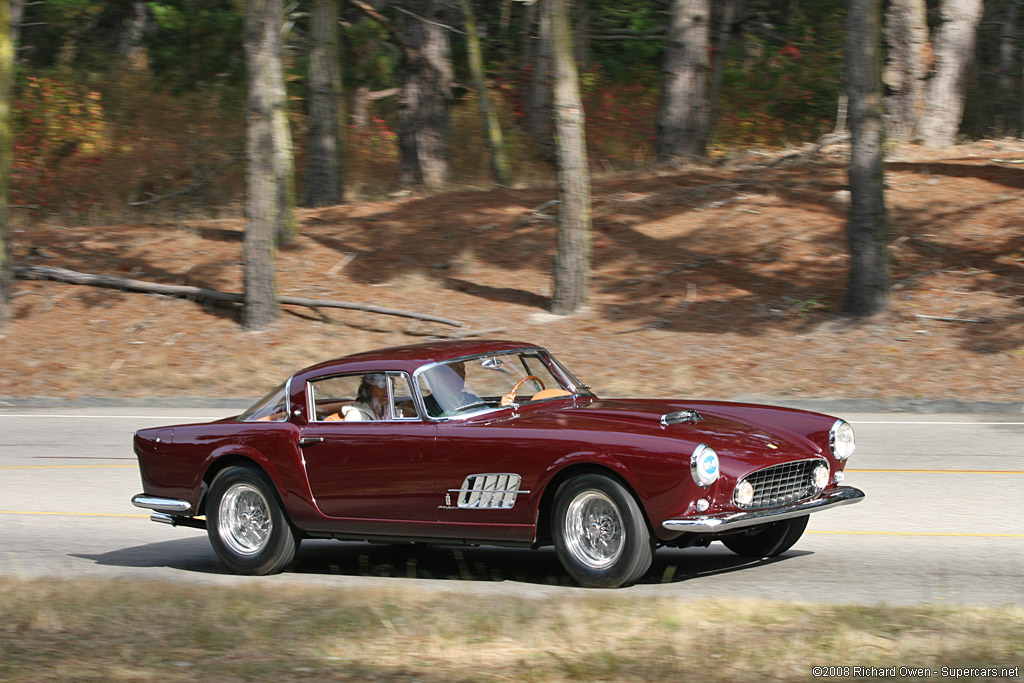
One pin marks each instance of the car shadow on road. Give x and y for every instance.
(452, 563)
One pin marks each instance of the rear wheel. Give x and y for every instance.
(767, 540)
(246, 525)
(599, 532)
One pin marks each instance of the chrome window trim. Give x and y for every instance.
(311, 408)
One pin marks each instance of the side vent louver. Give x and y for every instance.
(489, 491)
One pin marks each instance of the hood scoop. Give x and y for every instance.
(681, 417)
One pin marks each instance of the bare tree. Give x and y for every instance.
(538, 99)
(1008, 88)
(572, 260)
(868, 228)
(132, 30)
(425, 74)
(6, 82)
(263, 200)
(909, 53)
(954, 52)
(284, 154)
(488, 116)
(685, 111)
(325, 152)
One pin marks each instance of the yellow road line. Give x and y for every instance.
(942, 471)
(70, 514)
(913, 533)
(63, 467)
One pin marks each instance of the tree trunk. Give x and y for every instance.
(132, 30)
(488, 116)
(1008, 83)
(581, 39)
(6, 133)
(538, 101)
(685, 111)
(262, 207)
(867, 229)
(910, 62)
(425, 74)
(324, 156)
(726, 15)
(954, 52)
(572, 261)
(284, 155)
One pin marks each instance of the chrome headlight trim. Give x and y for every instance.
(841, 440)
(704, 466)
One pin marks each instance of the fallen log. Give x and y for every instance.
(187, 291)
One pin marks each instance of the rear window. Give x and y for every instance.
(271, 408)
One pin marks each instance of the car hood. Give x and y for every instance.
(746, 432)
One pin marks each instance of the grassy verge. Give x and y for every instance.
(129, 631)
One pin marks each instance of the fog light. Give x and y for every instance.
(703, 505)
(820, 477)
(744, 493)
(840, 475)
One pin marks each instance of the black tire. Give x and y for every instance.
(767, 540)
(599, 532)
(245, 522)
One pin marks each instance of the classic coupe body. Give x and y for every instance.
(491, 442)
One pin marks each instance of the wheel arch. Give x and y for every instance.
(547, 501)
(225, 462)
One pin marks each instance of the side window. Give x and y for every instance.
(362, 397)
(403, 405)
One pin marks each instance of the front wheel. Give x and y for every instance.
(767, 540)
(599, 532)
(246, 525)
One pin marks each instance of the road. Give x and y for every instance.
(943, 522)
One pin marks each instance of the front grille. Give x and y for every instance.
(782, 484)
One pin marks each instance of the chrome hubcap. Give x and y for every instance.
(243, 519)
(593, 529)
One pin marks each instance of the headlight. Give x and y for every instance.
(704, 465)
(841, 440)
(744, 493)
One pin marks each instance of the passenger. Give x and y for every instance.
(371, 400)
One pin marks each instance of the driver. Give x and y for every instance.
(448, 391)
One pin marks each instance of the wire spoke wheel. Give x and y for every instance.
(246, 523)
(593, 529)
(599, 531)
(244, 519)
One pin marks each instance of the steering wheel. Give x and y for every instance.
(510, 397)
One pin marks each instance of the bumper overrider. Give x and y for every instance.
(710, 524)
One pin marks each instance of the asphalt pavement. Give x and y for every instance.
(943, 521)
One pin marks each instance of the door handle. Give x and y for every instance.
(310, 441)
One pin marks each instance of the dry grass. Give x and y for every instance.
(117, 631)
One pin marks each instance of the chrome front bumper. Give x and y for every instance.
(710, 524)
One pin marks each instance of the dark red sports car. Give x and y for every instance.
(491, 442)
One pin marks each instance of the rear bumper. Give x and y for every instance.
(168, 505)
(710, 524)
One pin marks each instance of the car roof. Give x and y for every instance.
(413, 356)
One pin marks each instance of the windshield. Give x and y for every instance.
(470, 386)
(271, 408)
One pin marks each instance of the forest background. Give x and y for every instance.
(132, 113)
